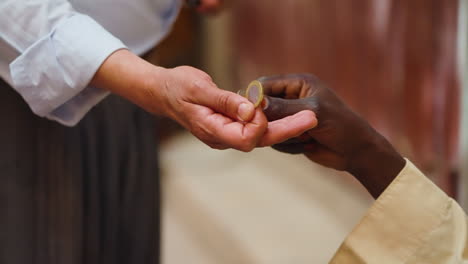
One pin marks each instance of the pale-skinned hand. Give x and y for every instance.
(219, 118)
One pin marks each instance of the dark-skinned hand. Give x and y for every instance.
(342, 139)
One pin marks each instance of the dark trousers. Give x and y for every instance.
(87, 194)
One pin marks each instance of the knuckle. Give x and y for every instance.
(184, 68)
(215, 146)
(223, 101)
(205, 76)
(247, 145)
(220, 147)
(193, 87)
(246, 148)
(249, 149)
(198, 85)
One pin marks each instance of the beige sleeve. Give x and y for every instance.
(413, 221)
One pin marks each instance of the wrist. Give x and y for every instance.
(129, 76)
(152, 90)
(377, 165)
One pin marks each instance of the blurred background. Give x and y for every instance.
(400, 64)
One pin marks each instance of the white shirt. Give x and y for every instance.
(51, 49)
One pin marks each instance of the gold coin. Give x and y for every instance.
(254, 93)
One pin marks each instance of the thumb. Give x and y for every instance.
(228, 103)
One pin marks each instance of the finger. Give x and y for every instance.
(289, 127)
(291, 148)
(256, 129)
(226, 103)
(288, 86)
(217, 146)
(277, 108)
(302, 139)
(296, 145)
(241, 136)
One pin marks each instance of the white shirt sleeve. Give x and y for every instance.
(58, 53)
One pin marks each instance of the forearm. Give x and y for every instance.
(127, 75)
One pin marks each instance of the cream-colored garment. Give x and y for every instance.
(413, 221)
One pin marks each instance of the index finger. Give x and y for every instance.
(285, 86)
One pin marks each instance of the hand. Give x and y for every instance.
(219, 118)
(342, 140)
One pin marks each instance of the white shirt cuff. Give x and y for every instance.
(52, 74)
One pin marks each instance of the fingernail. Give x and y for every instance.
(245, 112)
